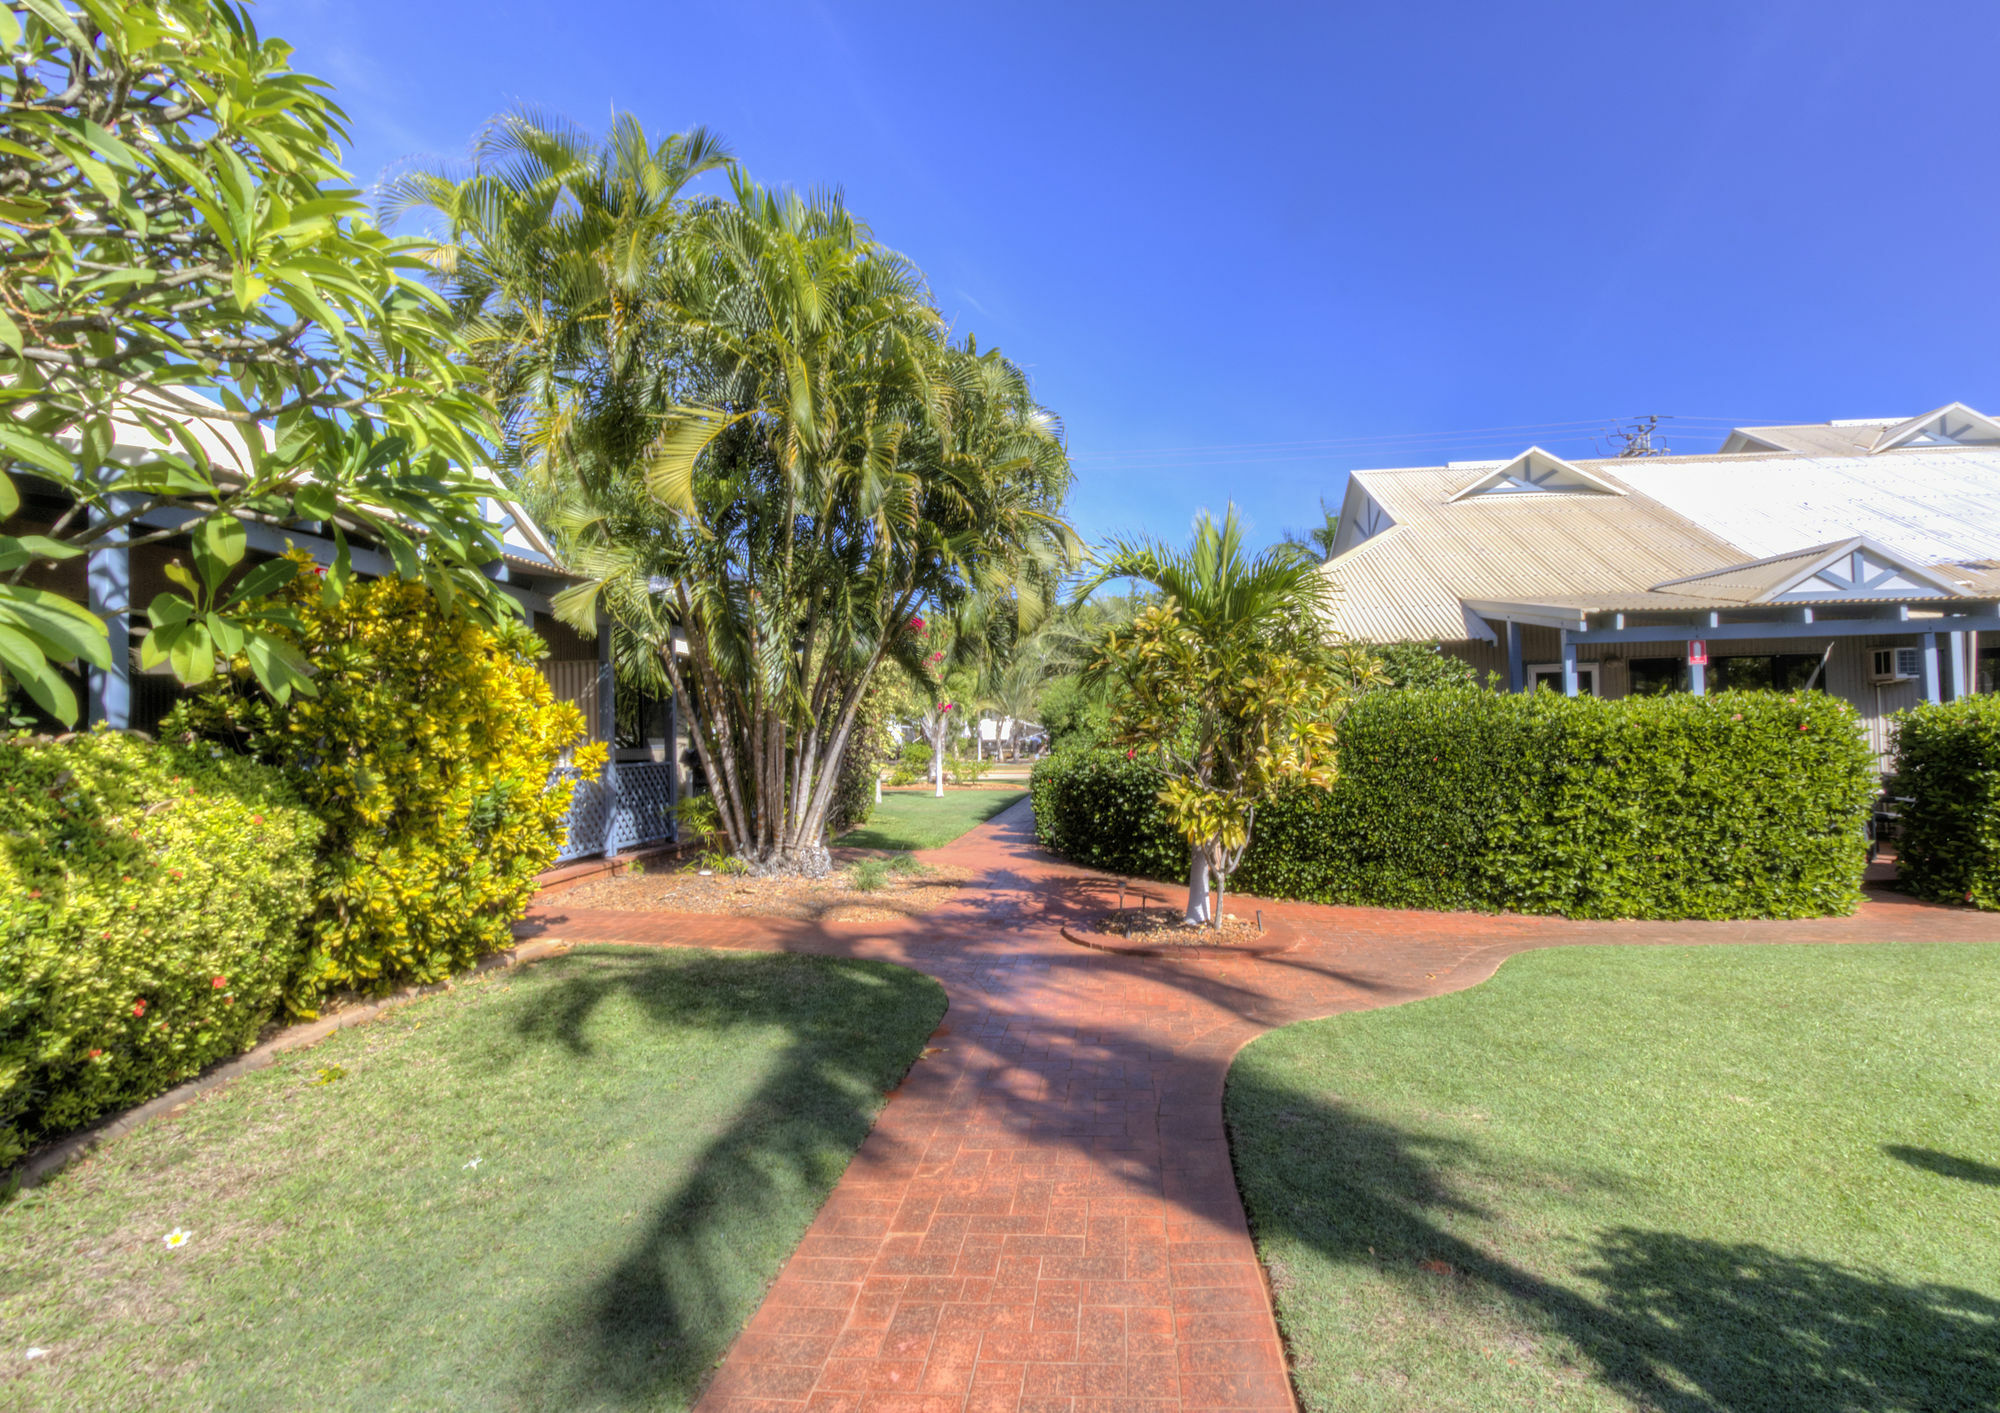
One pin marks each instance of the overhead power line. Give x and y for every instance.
(1256, 453)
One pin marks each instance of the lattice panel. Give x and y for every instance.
(635, 806)
(643, 812)
(589, 816)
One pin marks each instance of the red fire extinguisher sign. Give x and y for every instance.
(1697, 653)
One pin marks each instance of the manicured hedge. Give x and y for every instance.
(1948, 765)
(152, 901)
(1097, 808)
(1744, 804)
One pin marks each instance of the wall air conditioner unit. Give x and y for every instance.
(1894, 665)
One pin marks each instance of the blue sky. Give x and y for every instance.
(1244, 248)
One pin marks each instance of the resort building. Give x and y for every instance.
(1857, 557)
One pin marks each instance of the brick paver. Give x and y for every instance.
(1044, 1216)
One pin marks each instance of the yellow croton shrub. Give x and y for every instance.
(429, 750)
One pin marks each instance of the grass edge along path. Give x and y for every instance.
(910, 821)
(560, 1185)
(1670, 1178)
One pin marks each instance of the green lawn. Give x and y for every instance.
(926, 822)
(652, 1130)
(1704, 1178)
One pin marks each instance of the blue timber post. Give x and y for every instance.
(607, 724)
(1569, 665)
(673, 760)
(1517, 675)
(109, 577)
(1955, 674)
(1930, 669)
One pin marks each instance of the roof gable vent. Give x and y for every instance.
(1955, 425)
(1537, 472)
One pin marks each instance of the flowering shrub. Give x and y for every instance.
(151, 909)
(428, 750)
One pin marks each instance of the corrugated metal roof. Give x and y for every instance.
(1929, 503)
(1407, 582)
(1690, 515)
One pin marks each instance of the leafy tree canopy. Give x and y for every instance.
(1230, 684)
(179, 245)
(747, 423)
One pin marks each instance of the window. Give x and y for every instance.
(1656, 676)
(642, 718)
(1986, 673)
(1779, 672)
(1550, 675)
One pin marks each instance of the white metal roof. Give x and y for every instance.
(1930, 504)
(1416, 553)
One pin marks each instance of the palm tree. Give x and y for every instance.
(1229, 682)
(1318, 541)
(744, 421)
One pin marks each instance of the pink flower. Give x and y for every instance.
(1131, 753)
(916, 623)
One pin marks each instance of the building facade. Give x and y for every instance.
(1857, 557)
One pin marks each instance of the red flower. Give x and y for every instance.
(256, 819)
(139, 1007)
(94, 1054)
(916, 623)
(1131, 753)
(219, 982)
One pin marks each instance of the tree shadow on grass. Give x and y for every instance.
(1944, 1164)
(645, 1332)
(1675, 1323)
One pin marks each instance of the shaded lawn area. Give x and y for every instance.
(910, 821)
(653, 1131)
(1698, 1178)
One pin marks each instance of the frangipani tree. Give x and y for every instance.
(179, 250)
(1230, 683)
(745, 422)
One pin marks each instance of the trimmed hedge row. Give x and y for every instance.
(1948, 764)
(152, 902)
(1743, 804)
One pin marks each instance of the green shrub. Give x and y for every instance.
(428, 752)
(1744, 804)
(152, 902)
(1423, 666)
(1948, 765)
(1100, 808)
(965, 770)
(870, 747)
(868, 875)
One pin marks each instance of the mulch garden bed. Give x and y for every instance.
(1159, 932)
(807, 899)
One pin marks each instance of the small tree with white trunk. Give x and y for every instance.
(1231, 683)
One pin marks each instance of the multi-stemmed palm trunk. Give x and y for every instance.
(748, 429)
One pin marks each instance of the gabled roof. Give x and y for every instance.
(1536, 471)
(1406, 582)
(1687, 531)
(1954, 424)
(1853, 569)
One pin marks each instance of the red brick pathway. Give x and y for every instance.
(1044, 1216)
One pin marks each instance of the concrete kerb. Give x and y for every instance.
(45, 1163)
